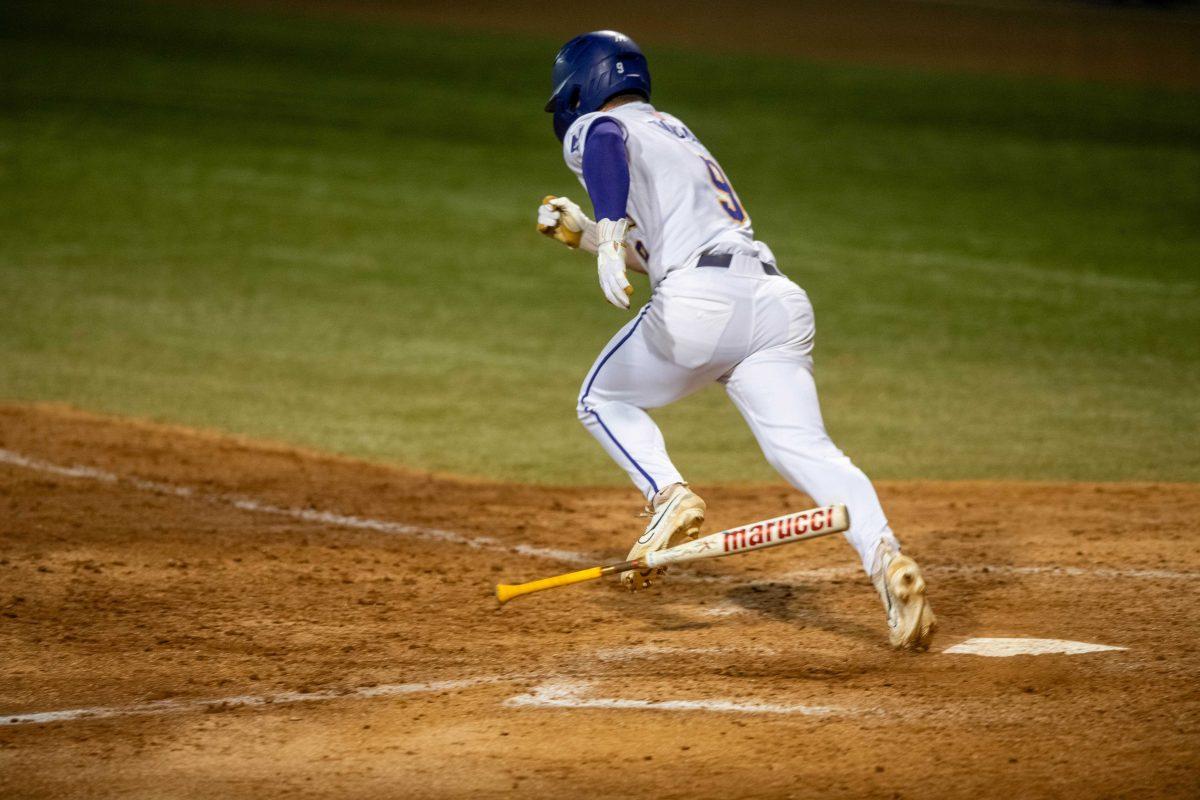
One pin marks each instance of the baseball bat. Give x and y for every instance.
(796, 527)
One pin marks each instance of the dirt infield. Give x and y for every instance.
(253, 621)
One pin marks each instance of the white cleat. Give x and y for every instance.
(901, 587)
(676, 514)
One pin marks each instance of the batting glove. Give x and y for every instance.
(561, 219)
(610, 261)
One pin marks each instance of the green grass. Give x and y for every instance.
(321, 231)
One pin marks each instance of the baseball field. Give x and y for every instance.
(287, 384)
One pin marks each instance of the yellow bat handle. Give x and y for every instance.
(506, 592)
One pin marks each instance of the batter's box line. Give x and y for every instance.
(984, 570)
(576, 694)
(331, 518)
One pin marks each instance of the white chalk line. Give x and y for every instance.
(243, 701)
(726, 609)
(983, 570)
(655, 651)
(1092, 572)
(571, 694)
(552, 554)
(302, 514)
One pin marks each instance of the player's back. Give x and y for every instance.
(680, 201)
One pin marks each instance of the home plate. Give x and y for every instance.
(1000, 647)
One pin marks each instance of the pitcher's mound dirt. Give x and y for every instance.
(766, 675)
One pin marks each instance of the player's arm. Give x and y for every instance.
(606, 175)
(562, 219)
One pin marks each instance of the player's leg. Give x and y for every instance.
(677, 344)
(775, 392)
(626, 379)
(629, 377)
(667, 352)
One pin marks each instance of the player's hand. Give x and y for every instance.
(610, 261)
(561, 219)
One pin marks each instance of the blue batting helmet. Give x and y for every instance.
(591, 69)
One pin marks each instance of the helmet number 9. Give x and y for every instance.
(620, 68)
(725, 194)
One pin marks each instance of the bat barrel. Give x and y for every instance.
(797, 527)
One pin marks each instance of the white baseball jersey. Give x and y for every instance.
(680, 201)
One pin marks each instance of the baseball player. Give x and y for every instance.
(720, 310)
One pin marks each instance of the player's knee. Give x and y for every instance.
(811, 443)
(803, 454)
(776, 459)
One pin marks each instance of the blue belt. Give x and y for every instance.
(723, 260)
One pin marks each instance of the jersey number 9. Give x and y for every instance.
(725, 194)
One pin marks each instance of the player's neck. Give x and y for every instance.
(623, 99)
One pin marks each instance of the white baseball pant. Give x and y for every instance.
(752, 332)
